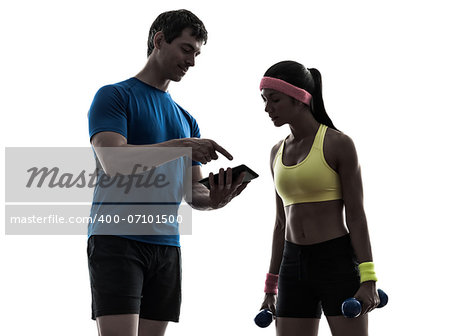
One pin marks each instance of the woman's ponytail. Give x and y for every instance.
(317, 105)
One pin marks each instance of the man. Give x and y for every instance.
(136, 279)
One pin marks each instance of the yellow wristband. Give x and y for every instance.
(367, 272)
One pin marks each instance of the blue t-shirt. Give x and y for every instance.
(144, 115)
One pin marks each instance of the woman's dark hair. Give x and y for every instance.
(173, 23)
(307, 79)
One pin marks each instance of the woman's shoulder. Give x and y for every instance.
(275, 148)
(274, 151)
(339, 145)
(338, 138)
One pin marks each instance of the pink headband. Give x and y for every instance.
(286, 88)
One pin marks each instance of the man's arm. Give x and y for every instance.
(220, 194)
(117, 156)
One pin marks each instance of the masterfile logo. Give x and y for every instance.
(55, 190)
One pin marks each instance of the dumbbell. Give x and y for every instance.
(352, 308)
(264, 318)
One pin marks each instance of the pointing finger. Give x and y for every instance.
(221, 150)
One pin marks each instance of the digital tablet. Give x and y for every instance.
(236, 171)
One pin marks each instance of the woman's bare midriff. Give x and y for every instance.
(311, 223)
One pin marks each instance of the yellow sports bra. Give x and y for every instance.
(311, 180)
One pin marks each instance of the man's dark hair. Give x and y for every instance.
(172, 24)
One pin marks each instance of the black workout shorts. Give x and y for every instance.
(133, 277)
(316, 277)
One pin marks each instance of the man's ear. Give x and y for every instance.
(158, 39)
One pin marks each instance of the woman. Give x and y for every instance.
(315, 255)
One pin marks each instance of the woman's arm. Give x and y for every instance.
(280, 223)
(352, 194)
(277, 238)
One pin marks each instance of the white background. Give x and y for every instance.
(385, 71)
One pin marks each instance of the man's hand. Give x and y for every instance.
(225, 190)
(204, 150)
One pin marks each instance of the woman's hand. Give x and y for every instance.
(269, 302)
(368, 296)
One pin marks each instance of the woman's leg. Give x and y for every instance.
(152, 328)
(342, 326)
(340, 281)
(118, 325)
(298, 305)
(291, 326)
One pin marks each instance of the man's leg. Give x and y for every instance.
(116, 276)
(152, 327)
(161, 294)
(118, 325)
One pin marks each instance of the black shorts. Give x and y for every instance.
(132, 277)
(317, 277)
